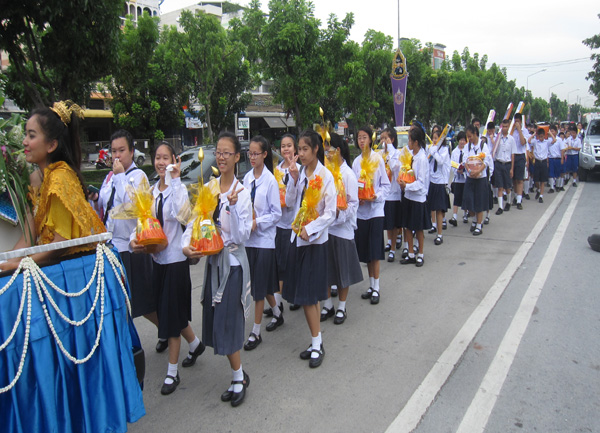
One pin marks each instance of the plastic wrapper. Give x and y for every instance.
(205, 233)
(282, 188)
(368, 166)
(148, 230)
(333, 164)
(308, 210)
(406, 173)
(474, 162)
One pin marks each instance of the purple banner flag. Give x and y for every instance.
(399, 76)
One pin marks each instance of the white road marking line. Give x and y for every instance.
(481, 407)
(410, 416)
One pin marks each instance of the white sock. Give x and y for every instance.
(439, 236)
(434, 225)
(500, 202)
(411, 255)
(478, 226)
(444, 220)
(193, 346)
(420, 255)
(237, 376)
(328, 304)
(541, 195)
(406, 245)
(398, 239)
(376, 285)
(342, 306)
(454, 215)
(276, 310)
(371, 282)
(389, 242)
(171, 371)
(255, 330)
(519, 198)
(278, 298)
(316, 344)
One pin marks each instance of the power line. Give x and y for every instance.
(546, 64)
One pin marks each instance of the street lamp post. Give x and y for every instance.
(569, 94)
(531, 75)
(549, 94)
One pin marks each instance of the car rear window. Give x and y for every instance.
(594, 127)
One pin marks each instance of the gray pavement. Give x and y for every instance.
(377, 359)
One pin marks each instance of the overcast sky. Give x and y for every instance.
(524, 36)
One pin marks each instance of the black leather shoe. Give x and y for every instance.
(495, 200)
(537, 195)
(269, 311)
(367, 294)
(227, 395)
(328, 312)
(162, 345)
(251, 345)
(404, 253)
(519, 206)
(188, 362)
(432, 230)
(168, 389)
(453, 221)
(315, 362)
(500, 211)
(276, 324)
(338, 320)
(375, 298)
(237, 398)
(294, 307)
(334, 292)
(507, 207)
(408, 261)
(527, 197)
(305, 354)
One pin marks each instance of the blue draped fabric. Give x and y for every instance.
(53, 394)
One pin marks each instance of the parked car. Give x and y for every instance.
(589, 156)
(190, 164)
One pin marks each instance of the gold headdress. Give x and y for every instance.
(64, 109)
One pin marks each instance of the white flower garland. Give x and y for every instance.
(31, 271)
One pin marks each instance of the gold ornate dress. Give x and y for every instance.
(59, 206)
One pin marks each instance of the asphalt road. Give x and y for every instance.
(452, 345)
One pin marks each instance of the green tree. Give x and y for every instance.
(146, 88)
(559, 108)
(58, 49)
(594, 75)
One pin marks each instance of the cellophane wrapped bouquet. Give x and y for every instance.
(383, 151)
(279, 174)
(368, 166)
(308, 210)
(333, 164)
(148, 230)
(205, 234)
(475, 161)
(406, 174)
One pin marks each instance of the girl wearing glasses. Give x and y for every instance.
(226, 293)
(260, 248)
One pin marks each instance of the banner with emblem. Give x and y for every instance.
(399, 77)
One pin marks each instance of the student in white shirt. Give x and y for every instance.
(306, 283)
(541, 146)
(439, 174)
(416, 216)
(171, 269)
(393, 202)
(260, 248)
(572, 148)
(555, 160)
(226, 292)
(520, 135)
(503, 155)
(476, 198)
(369, 233)
(138, 267)
(344, 266)
(459, 157)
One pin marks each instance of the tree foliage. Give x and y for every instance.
(57, 49)
(594, 75)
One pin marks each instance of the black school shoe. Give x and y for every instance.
(269, 311)
(367, 294)
(453, 222)
(507, 207)
(239, 396)
(294, 307)
(276, 324)
(189, 361)
(326, 313)
(162, 345)
(338, 320)
(375, 297)
(315, 362)
(168, 389)
(408, 261)
(251, 345)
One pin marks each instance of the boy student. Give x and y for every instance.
(572, 148)
(520, 135)
(540, 146)
(459, 156)
(503, 155)
(554, 161)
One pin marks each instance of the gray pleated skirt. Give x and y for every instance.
(306, 277)
(263, 272)
(344, 267)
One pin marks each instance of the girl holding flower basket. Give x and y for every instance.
(312, 193)
(369, 168)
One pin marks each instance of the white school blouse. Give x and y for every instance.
(556, 148)
(474, 150)
(505, 149)
(318, 229)
(417, 191)
(287, 212)
(267, 208)
(441, 173)
(121, 229)
(395, 192)
(345, 223)
(459, 177)
(381, 186)
(541, 148)
(235, 221)
(573, 142)
(520, 148)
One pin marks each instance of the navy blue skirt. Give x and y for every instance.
(138, 268)
(344, 267)
(457, 190)
(173, 285)
(369, 239)
(393, 215)
(476, 197)
(437, 199)
(306, 280)
(223, 324)
(263, 272)
(417, 215)
(283, 244)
